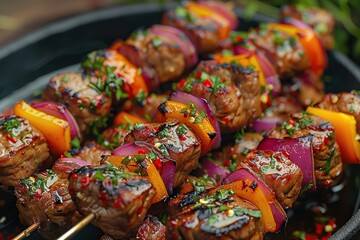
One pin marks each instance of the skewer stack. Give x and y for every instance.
(232, 91)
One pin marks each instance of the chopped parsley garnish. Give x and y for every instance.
(68, 154)
(181, 130)
(183, 13)
(239, 135)
(140, 97)
(164, 133)
(75, 142)
(306, 188)
(65, 79)
(156, 42)
(11, 124)
(201, 183)
(99, 176)
(39, 184)
(239, 211)
(200, 117)
(108, 80)
(328, 162)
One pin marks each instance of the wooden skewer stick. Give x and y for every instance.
(80, 225)
(27, 231)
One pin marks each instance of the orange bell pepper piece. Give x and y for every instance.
(345, 129)
(245, 60)
(134, 82)
(153, 175)
(206, 12)
(244, 189)
(55, 130)
(127, 119)
(201, 125)
(310, 42)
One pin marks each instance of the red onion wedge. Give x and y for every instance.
(67, 165)
(267, 68)
(213, 170)
(168, 173)
(223, 10)
(129, 149)
(300, 152)
(181, 39)
(201, 105)
(277, 210)
(60, 111)
(265, 124)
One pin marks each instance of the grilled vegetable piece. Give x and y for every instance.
(328, 163)
(118, 199)
(278, 172)
(22, 149)
(213, 214)
(232, 91)
(319, 19)
(44, 198)
(344, 102)
(84, 101)
(172, 140)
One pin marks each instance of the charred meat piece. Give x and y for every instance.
(118, 199)
(44, 198)
(22, 149)
(328, 163)
(319, 19)
(113, 137)
(344, 102)
(173, 141)
(278, 172)
(162, 54)
(203, 32)
(232, 91)
(216, 214)
(151, 229)
(89, 106)
(92, 153)
(283, 50)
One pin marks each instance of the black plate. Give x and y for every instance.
(24, 63)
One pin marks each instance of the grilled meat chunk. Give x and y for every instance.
(202, 32)
(344, 102)
(92, 153)
(44, 198)
(151, 229)
(283, 50)
(232, 91)
(282, 107)
(160, 53)
(118, 199)
(216, 214)
(148, 107)
(278, 172)
(319, 19)
(328, 163)
(22, 149)
(184, 149)
(76, 92)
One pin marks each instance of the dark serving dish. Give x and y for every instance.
(27, 64)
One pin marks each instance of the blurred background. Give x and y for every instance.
(19, 17)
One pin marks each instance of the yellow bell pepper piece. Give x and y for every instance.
(55, 130)
(345, 129)
(245, 60)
